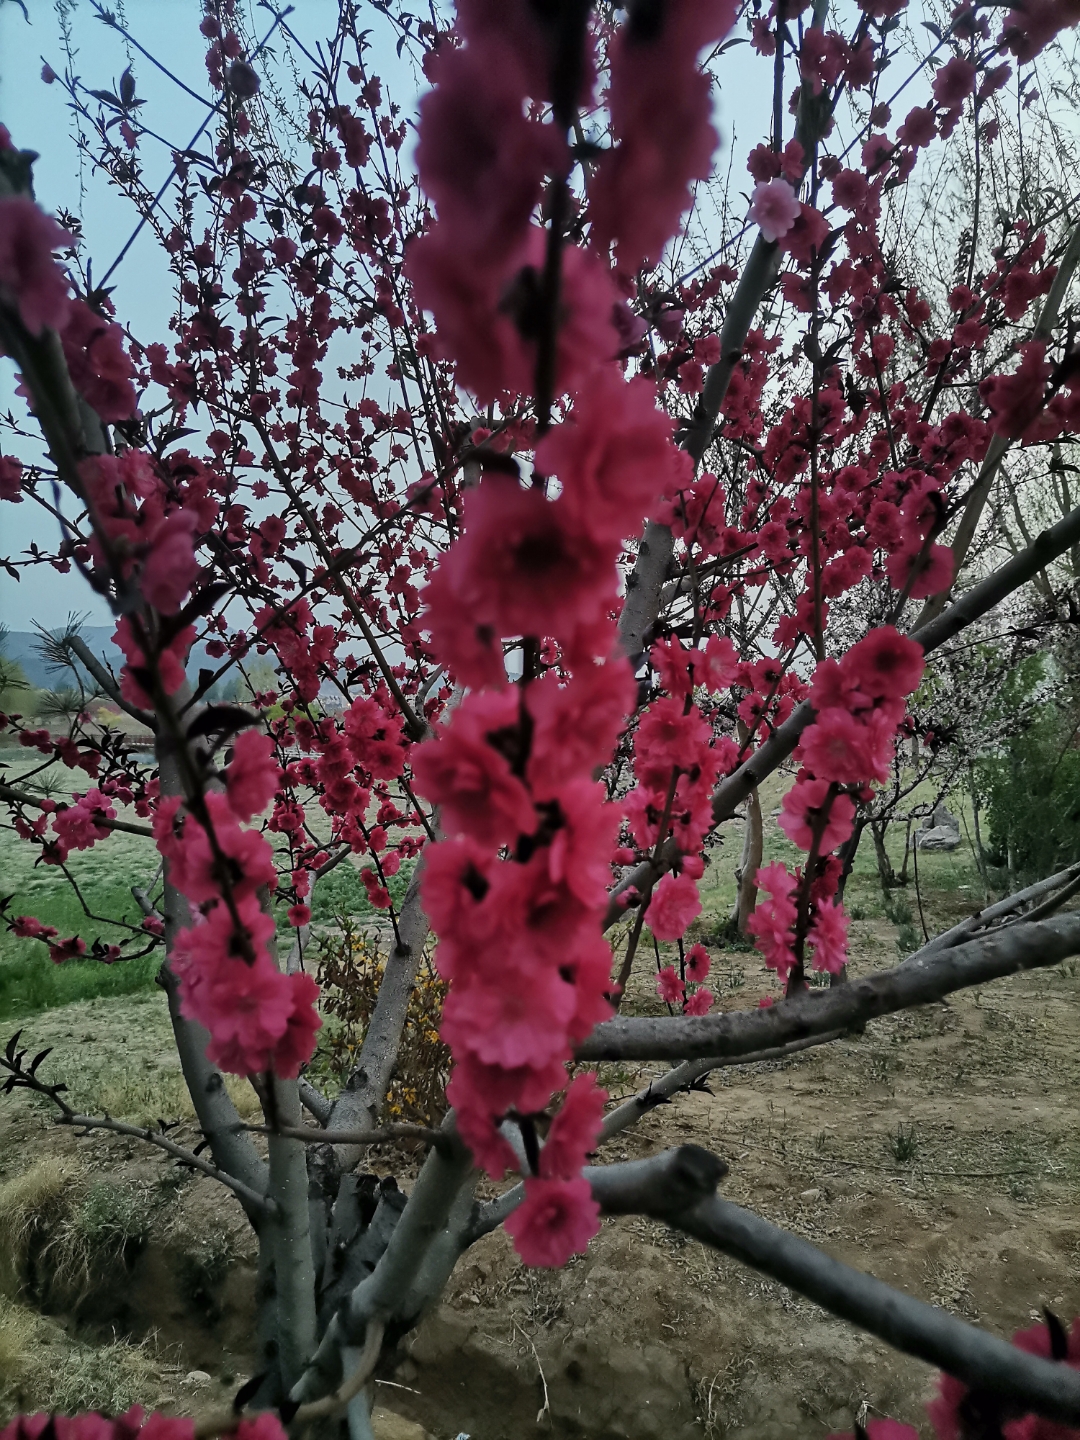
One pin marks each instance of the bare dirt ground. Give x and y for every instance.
(648, 1334)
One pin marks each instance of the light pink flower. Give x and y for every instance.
(775, 208)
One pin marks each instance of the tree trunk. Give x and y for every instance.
(885, 871)
(746, 875)
(980, 853)
(848, 851)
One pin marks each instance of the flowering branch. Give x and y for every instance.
(917, 981)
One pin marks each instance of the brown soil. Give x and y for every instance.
(649, 1334)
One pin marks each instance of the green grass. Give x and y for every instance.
(32, 982)
(29, 980)
(342, 892)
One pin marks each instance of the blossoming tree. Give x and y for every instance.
(584, 553)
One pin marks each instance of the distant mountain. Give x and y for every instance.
(21, 645)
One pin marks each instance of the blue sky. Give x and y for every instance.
(38, 118)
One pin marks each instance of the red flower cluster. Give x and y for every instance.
(951, 1416)
(675, 988)
(661, 113)
(258, 1018)
(859, 701)
(517, 890)
(134, 509)
(30, 279)
(134, 1424)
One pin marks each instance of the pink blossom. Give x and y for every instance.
(675, 903)
(252, 775)
(667, 738)
(661, 117)
(774, 209)
(518, 1023)
(297, 1045)
(246, 1007)
(11, 479)
(470, 779)
(134, 1424)
(615, 455)
(586, 827)
(70, 949)
(846, 749)
(375, 738)
(574, 1130)
(773, 920)
(669, 987)
(828, 936)
(170, 662)
(700, 1002)
(801, 808)
(264, 1426)
(28, 927)
(194, 865)
(557, 1219)
(525, 565)
(100, 368)
(479, 158)
(954, 82)
(30, 278)
(807, 235)
(883, 1429)
(884, 664)
(80, 826)
(455, 884)
(921, 573)
(717, 668)
(697, 963)
(948, 1412)
(1016, 400)
(171, 567)
(576, 722)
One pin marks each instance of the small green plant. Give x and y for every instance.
(897, 909)
(109, 1224)
(907, 939)
(904, 1144)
